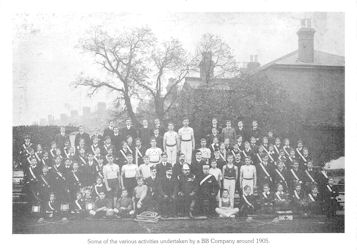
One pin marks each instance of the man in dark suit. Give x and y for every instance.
(145, 134)
(168, 191)
(82, 135)
(128, 130)
(109, 131)
(157, 125)
(207, 191)
(153, 183)
(163, 165)
(61, 138)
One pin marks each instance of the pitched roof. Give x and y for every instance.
(321, 58)
(216, 83)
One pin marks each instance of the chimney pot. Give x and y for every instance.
(309, 23)
(303, 22)
(306, 42)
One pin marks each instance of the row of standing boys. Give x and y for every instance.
(126, 171)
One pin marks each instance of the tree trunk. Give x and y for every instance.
(130, 111)
(159, 108)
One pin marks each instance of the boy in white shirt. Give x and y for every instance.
(144, 169)
(206, 152)
(187, 140)
(217, 173)
(154, 152)
(129, 172)
(111, 173)
(170, 144)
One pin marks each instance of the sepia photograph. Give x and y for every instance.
(178, 122)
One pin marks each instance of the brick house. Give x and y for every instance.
(314, 82)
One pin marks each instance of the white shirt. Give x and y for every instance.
(206, 153)
(111, 171)
(170, 137)
(186, 133)
(216, 172)
(248, 171)
(129, 170)
(145, 170)
(154, 154)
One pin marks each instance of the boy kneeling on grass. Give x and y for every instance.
(124, 206)
(225, 207)
(102, 207)
(140, 196)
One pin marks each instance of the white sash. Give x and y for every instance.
(329, 188)
(51, 151)
(129, 149)
(38, 158)
(308, 174)
(33, 175)
(204, 179)
(271, 157)
(43, 162)
(83, 160)
(78, 205)
(265, 171)
(93, 149)
(44, 180)
(246, 200)
(58, 172)
(99, 172)
(121, 151)
(96, 190)
(295, 176)
(234, 155)
(276, 149)
(138, 152)
(75, 176)
(222, 156)
(277, 195)
(302, 157)
(245, 153)
(290, 159)
(324, 174)
(284, 147)
(311, 197)
(264, 194)
(281, 176)
(106, 148)
(65, 152)
(28, 159)
(49, 204)
(260, 159)
(296, 194)
(24, 146)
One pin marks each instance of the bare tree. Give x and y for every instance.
(137, 66)
(217, 56)
(123, 57)
(170, 63)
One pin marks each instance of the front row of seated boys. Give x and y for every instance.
(191, 200)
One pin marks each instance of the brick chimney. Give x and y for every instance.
(206, 66)
(253, 64)
(306, 42)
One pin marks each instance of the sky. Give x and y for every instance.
(46, 57)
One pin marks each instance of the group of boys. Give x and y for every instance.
(127, 171)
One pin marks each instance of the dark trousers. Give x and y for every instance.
(168, 206)
(129, 184)
(208, 205)
(330, 207)
(186, 204)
